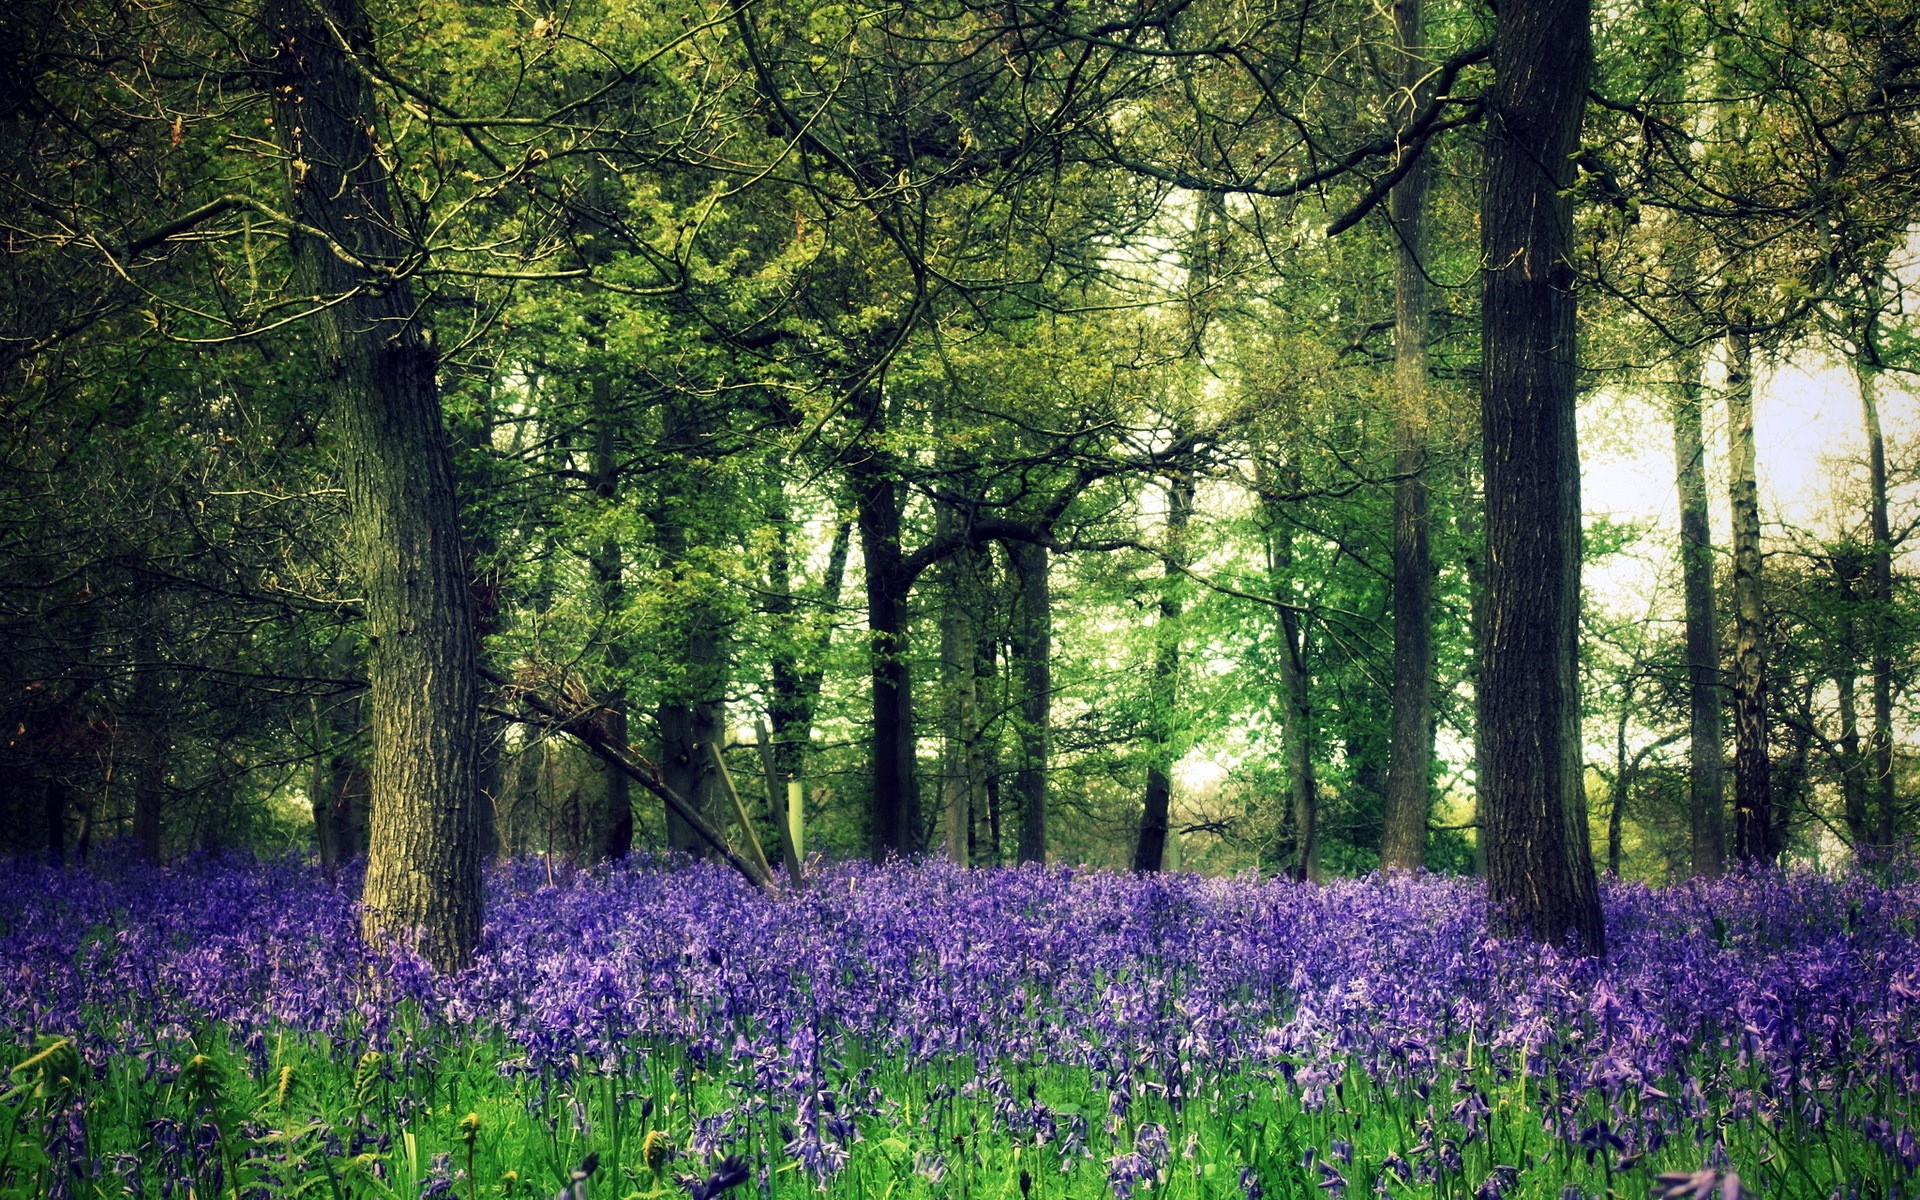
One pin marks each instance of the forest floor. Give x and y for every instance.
(218, 1029)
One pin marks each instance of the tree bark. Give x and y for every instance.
(1409, 791)
(1706, 779)
(894, 819)
(1540, 875)
(1031, 652)
(1163, 692)
(423, 884)
(1752, 793)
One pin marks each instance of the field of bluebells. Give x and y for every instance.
(216, 1030)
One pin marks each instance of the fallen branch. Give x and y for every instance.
(579, 724)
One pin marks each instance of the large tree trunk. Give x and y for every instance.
(1409, 793)
(1031, 651)
(1539, 861)
(1880, 583)
(1752, 793)
(423, 884)
(895, 813)
(1163, 690)
(1707, 789)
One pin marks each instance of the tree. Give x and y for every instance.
(1540, 875)
(428, 839)
(1409, 798)
(1753, 821)
(1149, 852)
(1706, 703)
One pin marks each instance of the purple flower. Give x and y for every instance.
(731, 1172)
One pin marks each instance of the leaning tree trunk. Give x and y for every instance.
(428, 841)
(1707, 788)
(1752, 791)
(1031, 652)
(1539, 861)
(1163, 691)
(1409, 793)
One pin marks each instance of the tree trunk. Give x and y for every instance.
(616, 819)
(1707, 788)
(959, 692)
(1752, 793)
(1296, 711)
(692, 710)
(992, 691)
(895, 813)
(1469, 527)
(423, 884)
(1880, 582)
(1846, 568)
(1853, 790)
(1409, 792)
(1539, 861)
(1163, 690)
(1617, 809)
(1031, 652)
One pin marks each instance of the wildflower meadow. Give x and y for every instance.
(219, 1030)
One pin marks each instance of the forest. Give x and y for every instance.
(993, 499)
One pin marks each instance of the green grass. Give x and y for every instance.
(309, 1118)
